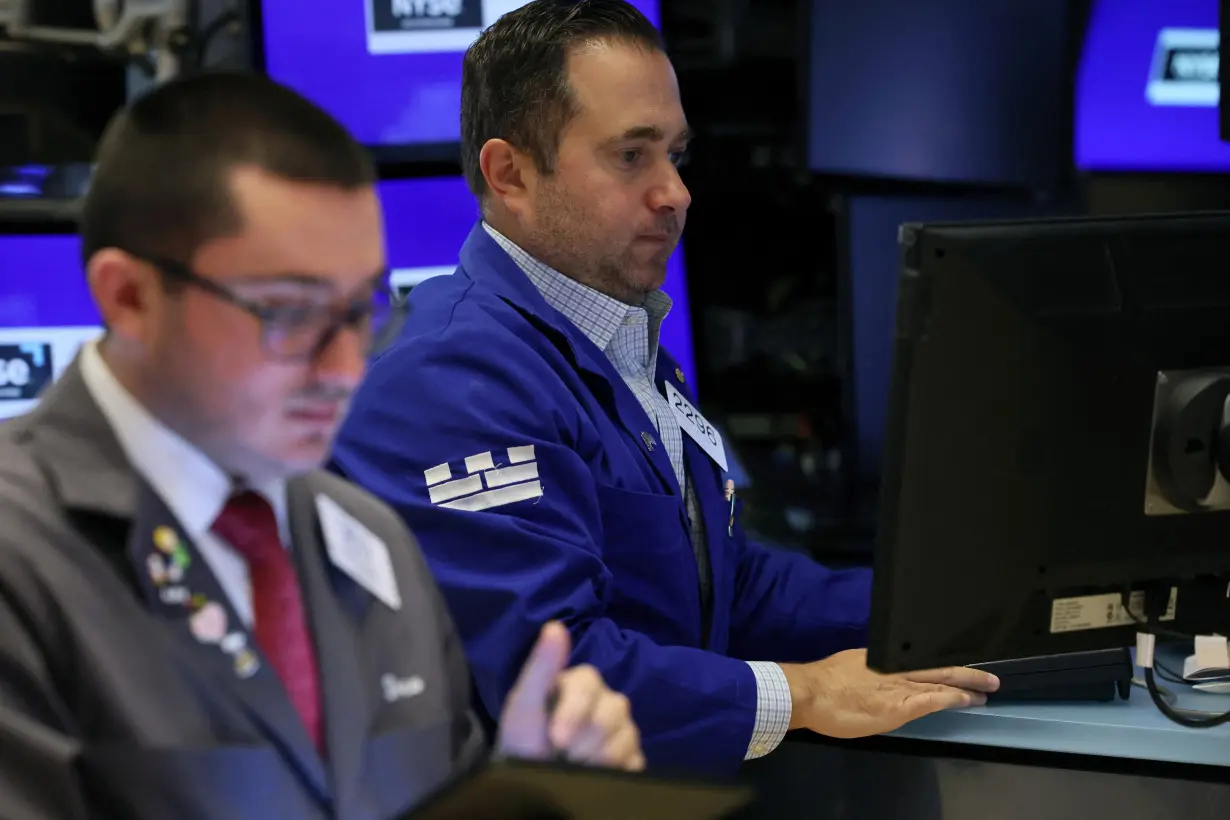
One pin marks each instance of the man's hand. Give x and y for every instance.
(567, 712)
(840, 697)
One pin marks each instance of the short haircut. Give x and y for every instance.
(515, 76)
(161, 184)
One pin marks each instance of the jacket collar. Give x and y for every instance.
(79, 450)
(486, 263)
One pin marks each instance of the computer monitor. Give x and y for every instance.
(868, 225)
(389, 69)
(1058, 402)
(427, 220)
(46, 311)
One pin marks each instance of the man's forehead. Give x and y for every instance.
(616, 76)
(653, 133)
(308, 231)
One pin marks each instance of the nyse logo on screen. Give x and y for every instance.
(426, 15)
(25, 369)
(1185, 68)
(430, 26)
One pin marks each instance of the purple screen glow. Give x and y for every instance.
(1147, 92)
(390, 70)
(46, 312)
(427, 220)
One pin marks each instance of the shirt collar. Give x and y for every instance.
(594, 313)
(193, 487)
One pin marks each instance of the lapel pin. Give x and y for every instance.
(157, 570)
(245, 663)
(165, 540)
(168, 542)
(649, 442)
(174, 596)
(208, 624)
(234, 642)
(679, 374)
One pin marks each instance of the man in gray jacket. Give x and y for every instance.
(194, 620)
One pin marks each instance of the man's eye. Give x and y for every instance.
(294, 315)
(630, 156)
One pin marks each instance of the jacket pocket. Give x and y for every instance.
(647, 547)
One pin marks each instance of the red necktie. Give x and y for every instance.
(248, 524)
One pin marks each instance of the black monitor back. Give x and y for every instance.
(1016, 483)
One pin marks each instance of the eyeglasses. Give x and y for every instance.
(299, 329)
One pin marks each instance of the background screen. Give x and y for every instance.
(1147, 88)
(46, 311)
(389, 69)
(45, 314)
(427, 221)
(942, 90)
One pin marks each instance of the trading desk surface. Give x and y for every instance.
(1124, 729)
(1062, 761)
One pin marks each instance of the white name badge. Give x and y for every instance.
(694, 424)
(356, 551)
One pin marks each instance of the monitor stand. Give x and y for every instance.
(1080, 676)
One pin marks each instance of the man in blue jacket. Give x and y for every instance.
(550, 457)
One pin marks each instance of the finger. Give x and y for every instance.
(961, 677)
(611, 715)
(579, 689)
(931, 698)
(623, 749)
(546, 661)
(587, 744)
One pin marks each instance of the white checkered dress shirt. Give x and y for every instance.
(629, 337)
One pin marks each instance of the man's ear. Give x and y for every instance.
(124, 289)
(510, 174)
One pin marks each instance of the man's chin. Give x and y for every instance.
(650, 277)
(297, 454)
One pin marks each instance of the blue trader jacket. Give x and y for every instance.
(525, 466)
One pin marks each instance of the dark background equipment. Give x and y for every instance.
(1029, 439)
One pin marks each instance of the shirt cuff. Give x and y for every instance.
(773, 708)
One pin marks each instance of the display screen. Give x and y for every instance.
(427, 221)
(1147, 89)
(971, 91)
(390, 70)
(46, 312)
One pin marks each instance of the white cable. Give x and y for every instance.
(1145, 645)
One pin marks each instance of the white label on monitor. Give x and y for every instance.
(430, 26)
(1102, 611)
(1184, 68)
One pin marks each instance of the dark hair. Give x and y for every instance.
(514, 82)
(161, 183)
